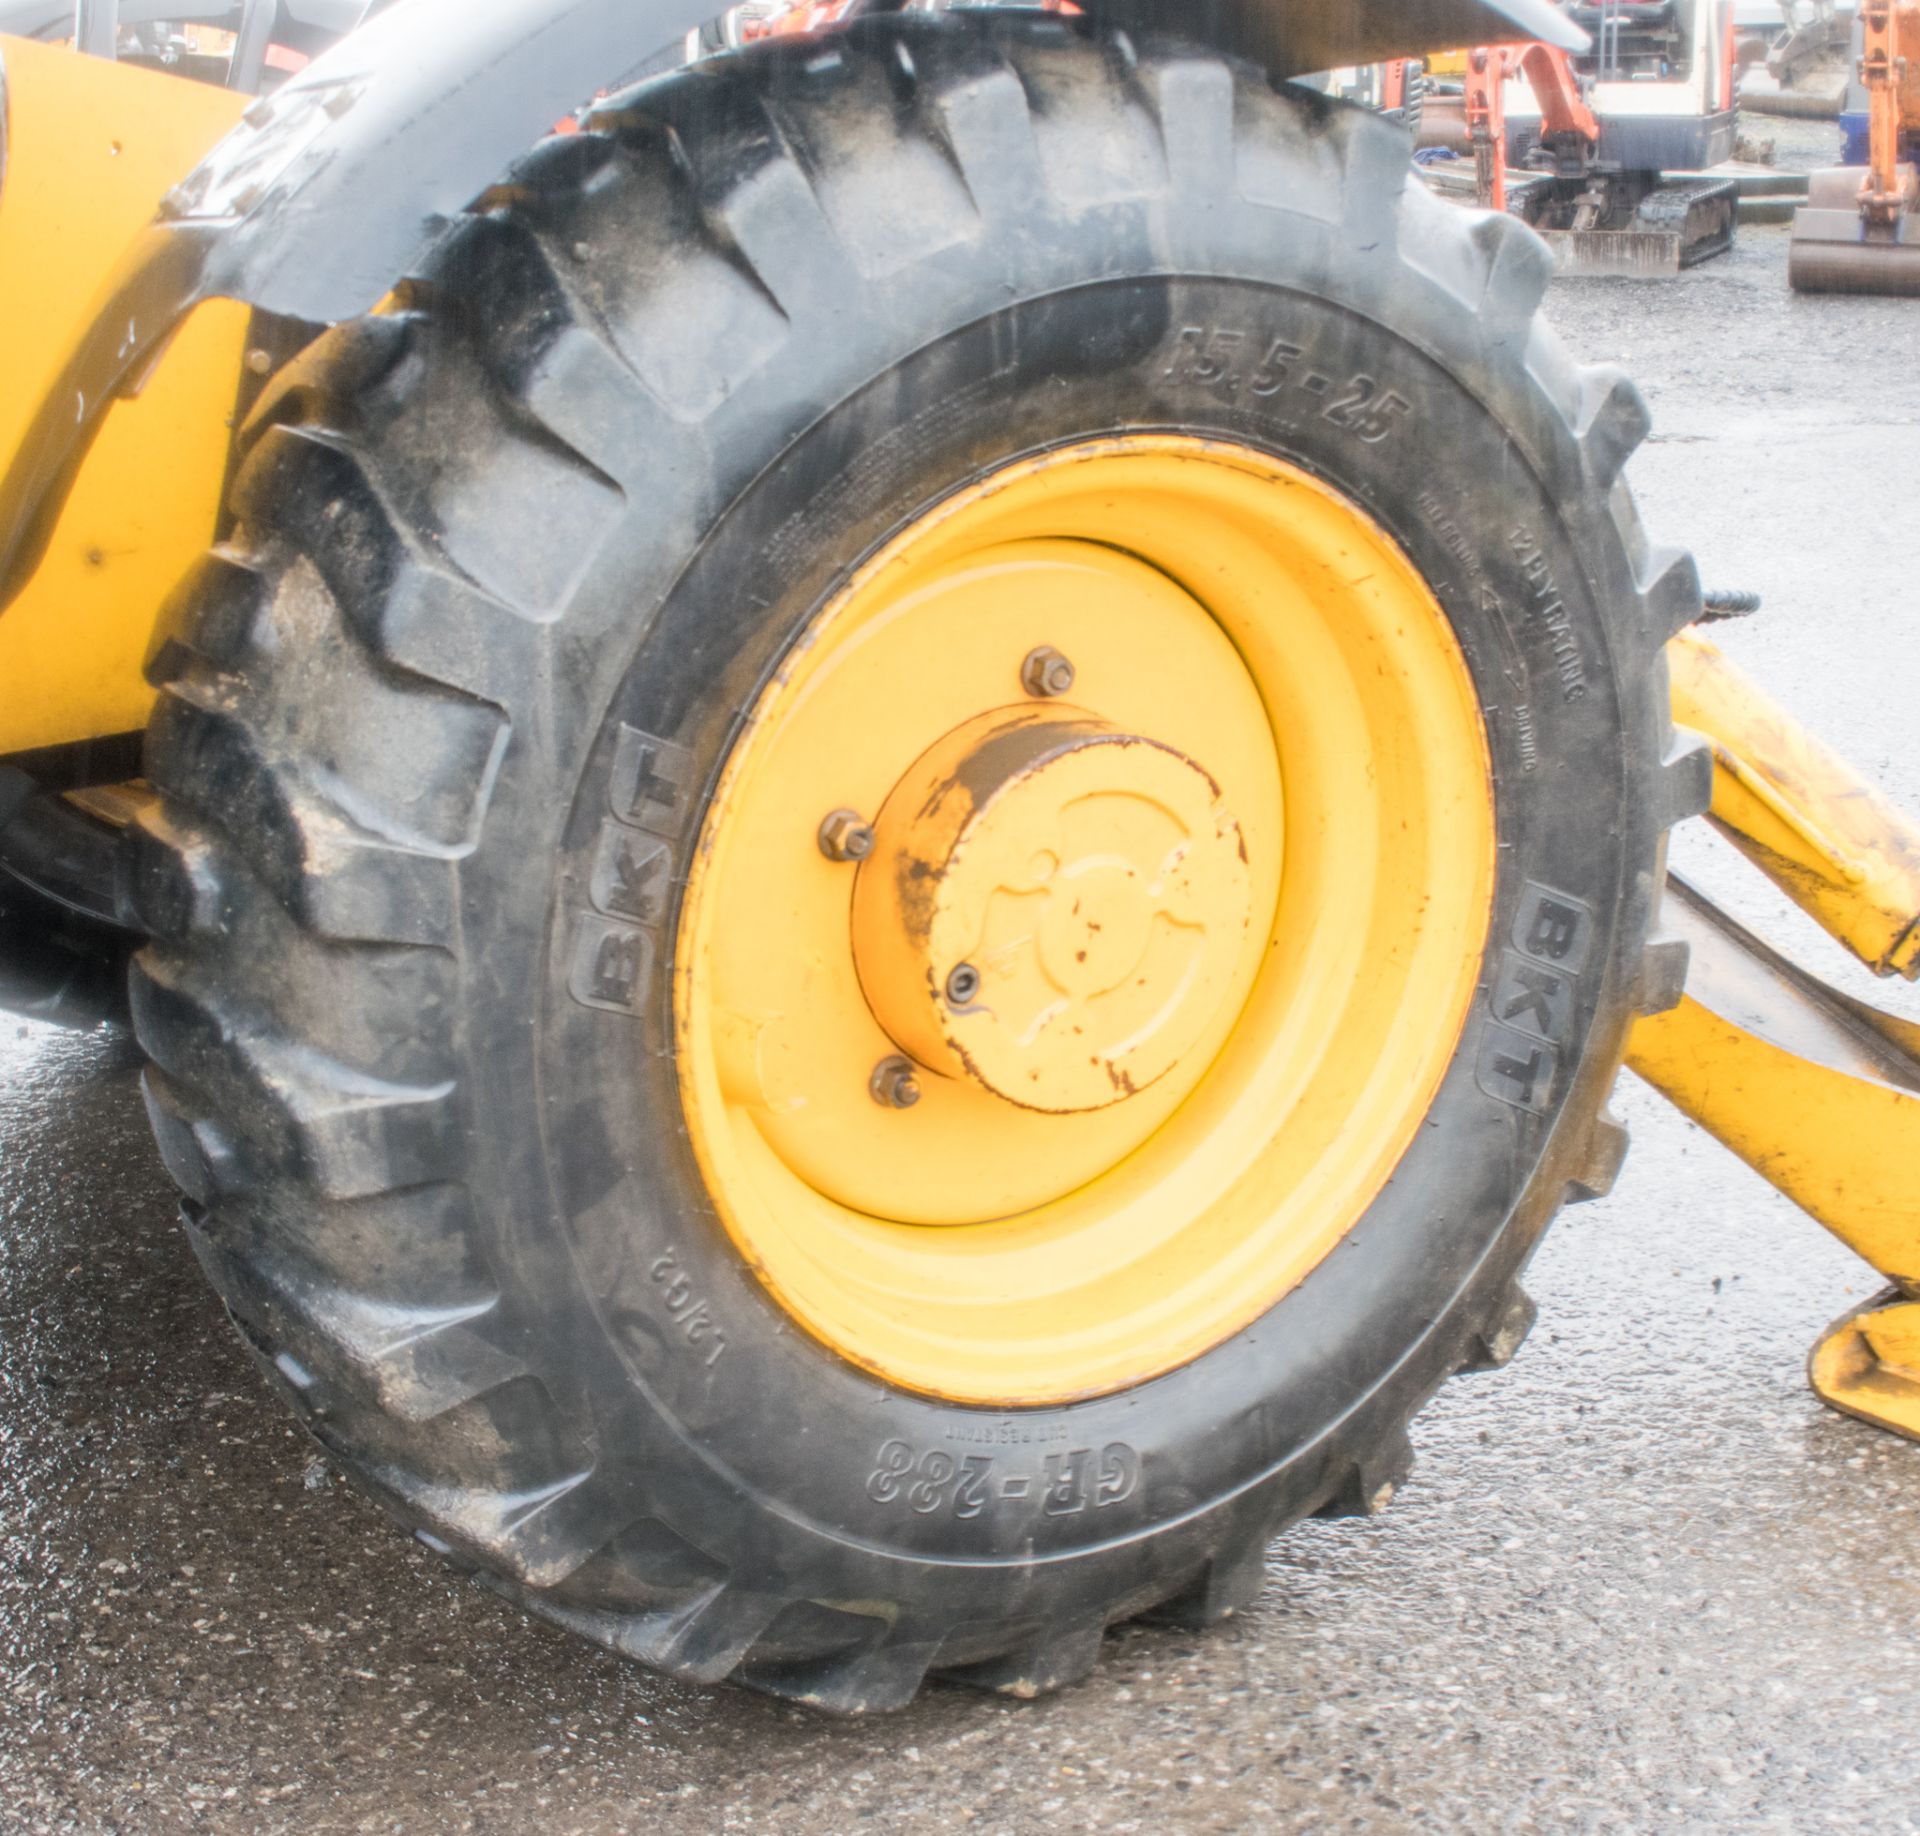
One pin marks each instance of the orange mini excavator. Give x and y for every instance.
(1592, 136)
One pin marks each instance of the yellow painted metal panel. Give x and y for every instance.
(1840, 1142)
(1817, 1092)
(1806, 818)
(1868, 1364)
(1820, 1095)
(94, 147)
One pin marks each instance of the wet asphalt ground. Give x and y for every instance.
(1641, 1581)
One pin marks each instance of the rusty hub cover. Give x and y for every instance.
(1091, 877)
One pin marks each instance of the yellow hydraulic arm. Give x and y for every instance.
(1817, 1091)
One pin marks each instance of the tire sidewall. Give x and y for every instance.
(624, 1324)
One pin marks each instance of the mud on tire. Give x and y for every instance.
(552, 520)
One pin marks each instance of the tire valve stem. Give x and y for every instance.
(846, 835)
(895, 1084)
(963, 986)
(1047, 673)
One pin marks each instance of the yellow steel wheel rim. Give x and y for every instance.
(1269, 777)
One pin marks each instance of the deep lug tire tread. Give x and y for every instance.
(320, 1154)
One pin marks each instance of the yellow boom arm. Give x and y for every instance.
(1816, 1091)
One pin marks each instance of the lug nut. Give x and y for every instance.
(895, 1084)
(846, 835)
(963, 985)
(1046, 673)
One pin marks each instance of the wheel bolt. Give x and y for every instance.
(1046, 673)
(895, 1084)
(846, 835)
(963, 985)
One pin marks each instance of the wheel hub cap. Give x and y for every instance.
(1091, 879)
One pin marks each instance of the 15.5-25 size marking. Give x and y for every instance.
(1230, 362)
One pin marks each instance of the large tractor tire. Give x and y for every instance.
(907, 847)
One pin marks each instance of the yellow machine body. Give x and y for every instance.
(93, 147)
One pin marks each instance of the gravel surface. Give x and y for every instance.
(1642, 1580)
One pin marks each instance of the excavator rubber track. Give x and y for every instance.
(1677, 225)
